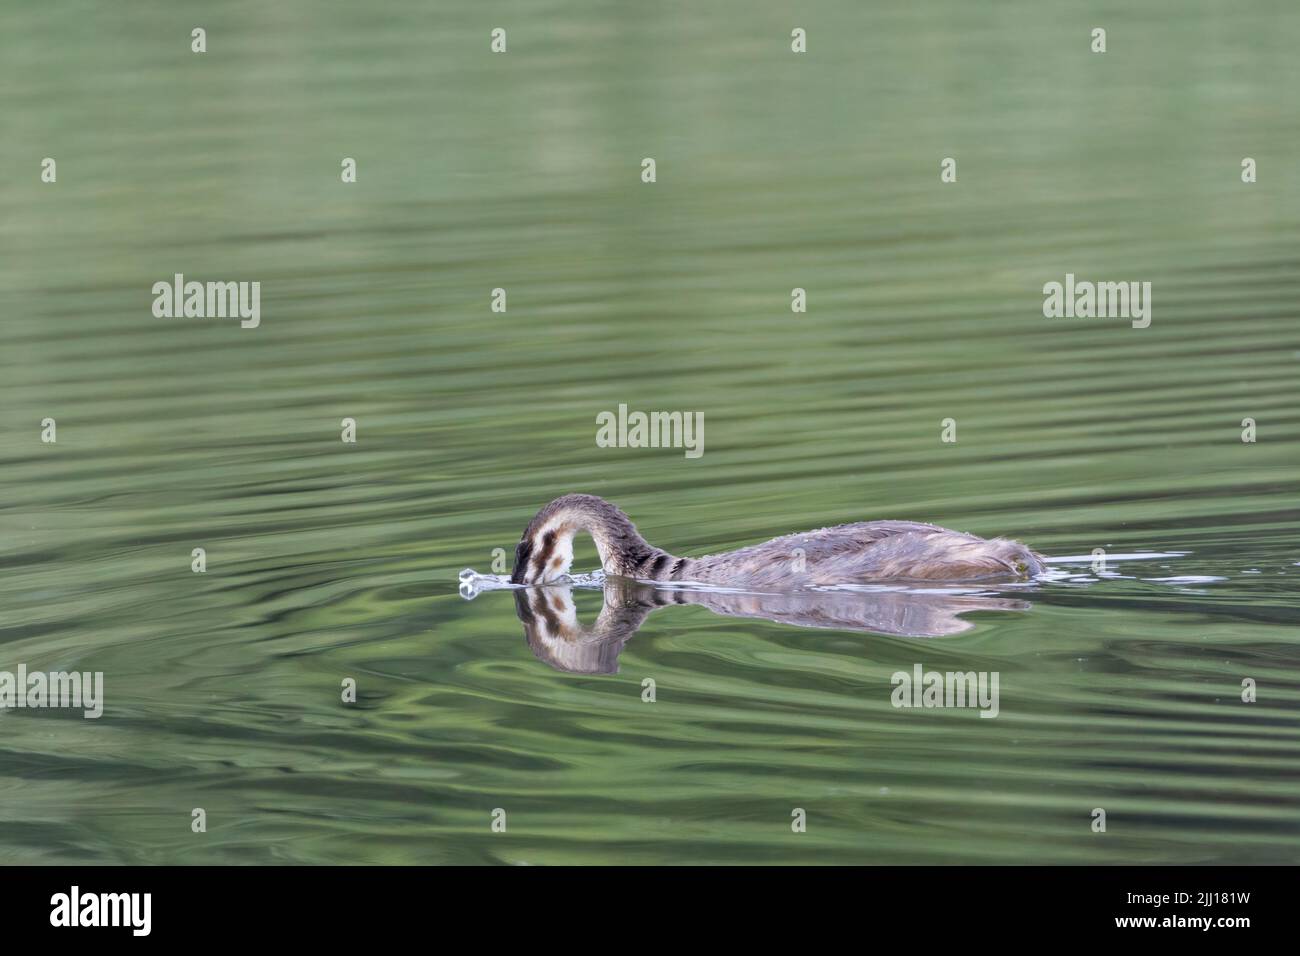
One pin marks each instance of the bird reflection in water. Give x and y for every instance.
(559, 638)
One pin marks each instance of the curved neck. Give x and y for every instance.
(546, 551)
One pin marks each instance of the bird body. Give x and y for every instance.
(863, 552)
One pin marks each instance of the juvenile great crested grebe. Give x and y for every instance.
(845, 554)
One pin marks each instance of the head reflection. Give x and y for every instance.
(559, 638)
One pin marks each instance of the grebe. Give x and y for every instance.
(845, 554)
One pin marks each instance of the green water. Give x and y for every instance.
(775, 170)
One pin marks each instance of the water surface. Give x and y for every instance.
(329, 561)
